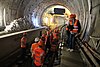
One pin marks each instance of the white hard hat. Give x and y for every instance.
(36, 39)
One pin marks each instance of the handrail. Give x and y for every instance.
(95, 37)
(93, 55)
(96, 54)
(15, 33)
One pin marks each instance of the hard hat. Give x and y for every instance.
(72, 16)
(36, 39)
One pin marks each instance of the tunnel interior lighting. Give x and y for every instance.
(4, 17)
(52, 19)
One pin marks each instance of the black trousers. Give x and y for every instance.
(23, 53)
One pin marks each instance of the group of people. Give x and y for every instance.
(42, 48)
(73, 30)
(48, 44)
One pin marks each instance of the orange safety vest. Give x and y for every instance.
(34, 45)
(38, 56)
(75, 30)
(55, 36)
(23, 42)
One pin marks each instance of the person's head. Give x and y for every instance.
(36, 40)
(55, 31)
(72, 16)
(43, 39)
(40, 43)
(48, 33)
(43, 35)
(24, 34)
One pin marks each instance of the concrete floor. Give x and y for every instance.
(68, 59)
(71, 59)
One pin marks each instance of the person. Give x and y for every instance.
(38, 55)
(68, 33)
(47, 47)
(33, 46)
(43, 40)
(23, 46)
(55, 44)
(74, 28)
(48, 41)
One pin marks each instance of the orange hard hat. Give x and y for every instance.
(72, 15)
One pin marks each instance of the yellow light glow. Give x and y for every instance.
(50, 20)
(46, 20)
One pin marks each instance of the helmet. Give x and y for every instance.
(72, 16)
(36, 39)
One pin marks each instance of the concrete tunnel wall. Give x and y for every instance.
(88, 12)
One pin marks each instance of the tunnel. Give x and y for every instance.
(39, 13)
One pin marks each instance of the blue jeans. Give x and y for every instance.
(71, 43)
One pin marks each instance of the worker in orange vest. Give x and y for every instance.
(43, 38)
(39, 55)
(56, 34)
(49, 38)
(23, 46)
(33, 46)
(74, 28)
(55, 44)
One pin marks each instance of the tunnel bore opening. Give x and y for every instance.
(52, 19)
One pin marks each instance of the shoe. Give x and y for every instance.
(68, 49)
(71, 50)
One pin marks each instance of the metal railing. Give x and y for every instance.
(91, 55)
(96, 41)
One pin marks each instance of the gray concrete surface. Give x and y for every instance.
(71, 59)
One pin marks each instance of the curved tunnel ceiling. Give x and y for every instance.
(88, 11)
